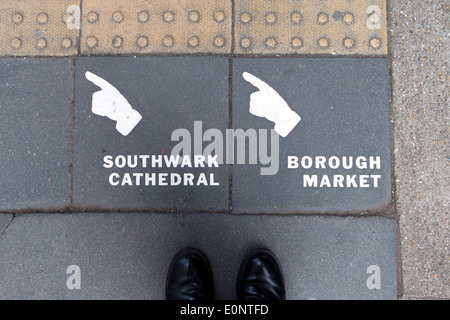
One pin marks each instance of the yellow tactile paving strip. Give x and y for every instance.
(311, 27)
(262, 27)
(39, 27)
(169, 26)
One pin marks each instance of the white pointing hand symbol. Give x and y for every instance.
(109, 102)
(269, 104)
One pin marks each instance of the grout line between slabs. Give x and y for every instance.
(230, 98)
(230, 126)
(72, 131)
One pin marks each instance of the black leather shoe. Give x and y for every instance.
(190, 277)
(260, 277)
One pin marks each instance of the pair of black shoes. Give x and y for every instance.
(190, 277)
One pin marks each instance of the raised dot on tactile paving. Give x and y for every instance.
(91, 41)
(349, 43)
(194, 16)
(246, 17)
(42, 18)
(67, 18)
(117, 17)
(66, 43)
(219, 41)
(246, 43)
(168, 41)
(322, 18)
(194, 41)
(117, 42)
(348, 18)
(323, 42)
(16, 43)
(92, 17)
(296, 17)
(168, 16)
(142, 41)
(143, 16)
(219, 16)
(271, 18)
(297, 43)
(375, 43)
(41, 43)
(17, 18)
(373, 18)
(271, 43)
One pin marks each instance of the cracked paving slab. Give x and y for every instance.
(5, 221)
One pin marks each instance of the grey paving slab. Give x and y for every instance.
(169, 93)
(35, 133)
(126, 256)
(341, 144)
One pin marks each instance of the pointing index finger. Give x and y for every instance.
(102, 83)
(258, 83)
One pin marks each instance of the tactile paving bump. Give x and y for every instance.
(311, 27)
(39, 27)
(170, 26)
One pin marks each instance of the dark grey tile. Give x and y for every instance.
(169, 93)
(126, 256)
(344, 109)
(35, 133)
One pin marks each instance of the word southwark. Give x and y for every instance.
(160, 178)
(159, 161)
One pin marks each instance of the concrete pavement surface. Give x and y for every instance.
(48, 243)
(420, 45)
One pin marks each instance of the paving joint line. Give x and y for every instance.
(400, 283)
(72, 132)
